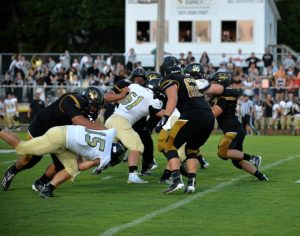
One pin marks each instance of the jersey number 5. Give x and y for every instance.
(93, 142)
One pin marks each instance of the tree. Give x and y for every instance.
(289, 26)
(56, 25)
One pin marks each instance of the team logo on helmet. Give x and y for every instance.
(196, 68)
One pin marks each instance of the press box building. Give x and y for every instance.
(214, 26)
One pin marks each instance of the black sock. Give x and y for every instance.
(258, 174)
(45, 179)
(191, 177)
(132, 169)
(13, 169)
(145, 166)
(166, 175)
(176, 175)
(247, 157)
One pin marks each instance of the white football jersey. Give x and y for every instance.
(258, 111)
(90, 144)
(136, 104)
(276, 109)
(10, 105)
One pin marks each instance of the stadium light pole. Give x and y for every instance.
(160, 40)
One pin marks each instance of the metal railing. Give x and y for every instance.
(281, 51)
(25, 93)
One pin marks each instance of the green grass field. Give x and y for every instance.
(227, 201)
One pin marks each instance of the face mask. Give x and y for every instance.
(290, 73)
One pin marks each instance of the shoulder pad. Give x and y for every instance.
(168, 81)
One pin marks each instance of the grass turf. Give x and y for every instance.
(94, 204)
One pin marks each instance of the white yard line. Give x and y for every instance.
(187, 200)
(4, 151)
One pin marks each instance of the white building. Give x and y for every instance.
(215, 26)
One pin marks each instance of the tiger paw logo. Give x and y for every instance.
(196, 68)
(93, 95)
(223, 76)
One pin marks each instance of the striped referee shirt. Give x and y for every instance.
(246, 107)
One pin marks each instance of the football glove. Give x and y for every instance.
(202, 84)
(161, 123)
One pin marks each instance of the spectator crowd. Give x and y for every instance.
(271, 88)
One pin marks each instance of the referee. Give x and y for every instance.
(35, 106)
(246, 110)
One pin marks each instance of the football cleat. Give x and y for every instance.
(263, 178)
(46, 192)
(154, 165)
(174, 187)
(203, 162)
(7, 179)
(146, 172)
(165, 181)
(133, 178)
(256, 160)
(38, 186)
(190, 188)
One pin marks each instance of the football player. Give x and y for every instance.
(185, 94)
(143, 126)
(70, 108)
(68, 142)
(231, 144)
(138, 103)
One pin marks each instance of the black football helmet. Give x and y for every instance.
(117, 153)
(170, 65)
(154, 80)
(222, 78)
(120, 85)
(94, 99)
(196, 70)
(138, 72)
(154, 75)
(154, 85)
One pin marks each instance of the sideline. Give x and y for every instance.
(183, 202)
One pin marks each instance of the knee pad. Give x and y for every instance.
(191, 154)
(224, 144)
(172, 154)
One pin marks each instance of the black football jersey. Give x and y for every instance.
(228, 120)
(189, 97)
(58, 113)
